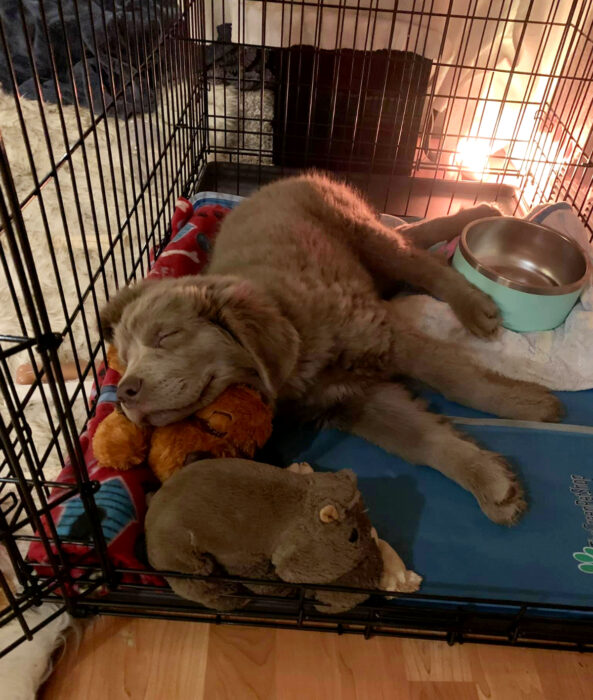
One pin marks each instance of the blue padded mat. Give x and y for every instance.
(438, 528)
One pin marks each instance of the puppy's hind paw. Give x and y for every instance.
(528, 401)
(500, 494)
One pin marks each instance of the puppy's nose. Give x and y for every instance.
(128, 389)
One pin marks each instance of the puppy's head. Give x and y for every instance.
(184, 341)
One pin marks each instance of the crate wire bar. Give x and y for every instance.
(111, 110)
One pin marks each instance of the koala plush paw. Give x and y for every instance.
(405, 581)
(300, 468)
(395, 576)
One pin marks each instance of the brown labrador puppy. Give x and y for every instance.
(296, 302)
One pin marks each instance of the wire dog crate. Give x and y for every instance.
(110, 110)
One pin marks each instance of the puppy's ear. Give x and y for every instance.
(255, 321)
(111, 313)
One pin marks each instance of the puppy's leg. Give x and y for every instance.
(391, 419)
(454, 373)
(390, 256)
(476, 310)
(425, 234)
(341, 205)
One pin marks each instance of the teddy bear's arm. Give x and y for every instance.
(119, 443)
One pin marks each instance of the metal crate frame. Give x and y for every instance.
(203, 146)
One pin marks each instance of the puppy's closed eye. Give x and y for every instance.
(162, 338)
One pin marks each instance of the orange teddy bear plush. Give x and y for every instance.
(236, 424)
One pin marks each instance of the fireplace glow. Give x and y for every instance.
(472, 155)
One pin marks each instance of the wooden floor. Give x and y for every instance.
(161, 660)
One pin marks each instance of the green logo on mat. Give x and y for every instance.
(586, 559)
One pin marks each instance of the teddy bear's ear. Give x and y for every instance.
(111, 313)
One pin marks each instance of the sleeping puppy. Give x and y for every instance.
(297, 302)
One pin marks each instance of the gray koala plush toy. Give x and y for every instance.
(253, 520)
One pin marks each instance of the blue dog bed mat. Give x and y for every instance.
(439, 529)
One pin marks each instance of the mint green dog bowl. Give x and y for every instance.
(533, 273)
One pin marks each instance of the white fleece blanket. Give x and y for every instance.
(561, 359)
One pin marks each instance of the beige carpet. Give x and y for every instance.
(78, 244)
(93, 214)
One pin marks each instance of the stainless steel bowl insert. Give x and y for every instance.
(525, 256)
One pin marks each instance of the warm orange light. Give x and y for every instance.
(472, 155)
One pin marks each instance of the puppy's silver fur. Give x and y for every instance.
(298, 302)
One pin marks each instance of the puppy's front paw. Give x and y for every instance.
(477, 311)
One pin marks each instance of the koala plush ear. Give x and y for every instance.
(111, 313)
(335, 494)
(348, 476)
(258, 325)
(347, 493)
(329, 514)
